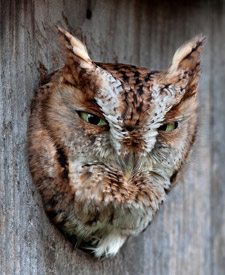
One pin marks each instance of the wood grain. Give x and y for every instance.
(188, 234)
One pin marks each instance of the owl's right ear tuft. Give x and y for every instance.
(76, 51)
(77, 58)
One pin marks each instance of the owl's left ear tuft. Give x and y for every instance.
(187, 57)
(77, 51)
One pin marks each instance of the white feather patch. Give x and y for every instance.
(110, 245)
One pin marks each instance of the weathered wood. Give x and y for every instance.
(217, 134)
(188, 234)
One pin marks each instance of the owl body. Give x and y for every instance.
(107, 141)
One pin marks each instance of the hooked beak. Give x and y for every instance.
(129, 161)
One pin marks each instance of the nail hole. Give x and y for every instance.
(88, 14)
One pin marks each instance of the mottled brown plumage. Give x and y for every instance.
(107, 141)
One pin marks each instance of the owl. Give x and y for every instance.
(107, 142)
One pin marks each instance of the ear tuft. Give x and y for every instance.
(74, 45)
(188, 55)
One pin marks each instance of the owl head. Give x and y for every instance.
(107, 141)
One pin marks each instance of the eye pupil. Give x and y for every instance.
(163, 127)
(93, 119)
(168, 127)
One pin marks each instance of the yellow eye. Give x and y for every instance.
(93, 119)
(168, 127)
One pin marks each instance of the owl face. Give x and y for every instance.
(107, 141)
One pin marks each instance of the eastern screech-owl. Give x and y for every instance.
(107, 142)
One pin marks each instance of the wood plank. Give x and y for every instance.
(217, 103)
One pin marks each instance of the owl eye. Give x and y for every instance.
(93, 119)
(168, 127)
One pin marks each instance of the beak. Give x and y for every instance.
(129, 164)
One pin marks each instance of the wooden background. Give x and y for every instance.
(188, 234)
